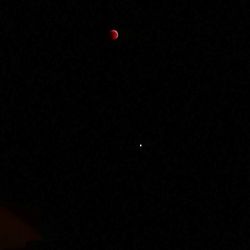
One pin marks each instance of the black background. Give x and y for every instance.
(75, 106)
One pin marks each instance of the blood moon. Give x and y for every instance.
(113, 34)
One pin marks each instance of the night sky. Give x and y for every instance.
(133, 140)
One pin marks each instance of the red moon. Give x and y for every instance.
(113, 34)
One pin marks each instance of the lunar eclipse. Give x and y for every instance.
(113, 34)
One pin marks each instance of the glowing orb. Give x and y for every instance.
(113, 34)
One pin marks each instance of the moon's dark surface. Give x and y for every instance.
(14, 231)
(114, 34)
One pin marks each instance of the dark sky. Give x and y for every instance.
(76, 105)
